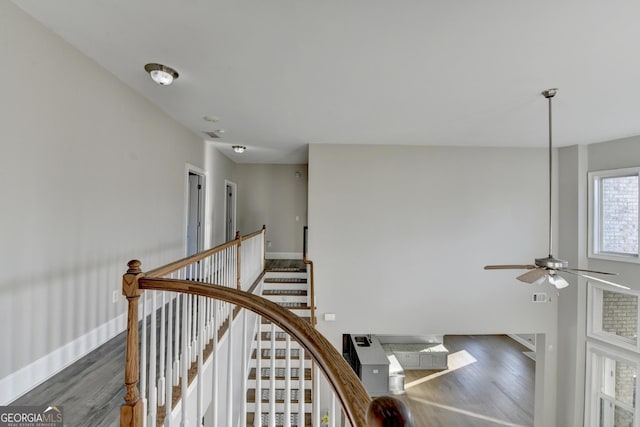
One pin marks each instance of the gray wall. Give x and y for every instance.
(273, 195)
(91, 175)
(399, 237)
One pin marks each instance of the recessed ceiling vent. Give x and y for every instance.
(212, 135)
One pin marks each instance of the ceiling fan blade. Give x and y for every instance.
(533, 275)
(510, 267)
(589, 271)
(586, 276)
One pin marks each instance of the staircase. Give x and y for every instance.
(284, 370)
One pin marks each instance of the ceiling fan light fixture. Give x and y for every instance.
(161, 74)
(558, 281)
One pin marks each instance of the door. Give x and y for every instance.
(230, 210)
(195, 210)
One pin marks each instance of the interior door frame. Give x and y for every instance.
(191, 169)
(234, 204)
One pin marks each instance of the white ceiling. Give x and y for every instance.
(281, 74)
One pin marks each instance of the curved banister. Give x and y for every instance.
(346, 384)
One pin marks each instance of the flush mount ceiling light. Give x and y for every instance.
(239, 148)
(161, 74)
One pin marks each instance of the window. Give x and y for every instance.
(613, 316)
(613, 214)
(613, 357)
(613, 380)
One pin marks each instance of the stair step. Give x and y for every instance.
(285, 280)
(295, 305)
(281, 354)
(280, 395)
(279, 419)
(280, 374)
(282, 292)
(302, 269)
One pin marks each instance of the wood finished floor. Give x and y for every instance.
(90, 390)
(496, 390)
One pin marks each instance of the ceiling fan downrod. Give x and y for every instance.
(550, 93)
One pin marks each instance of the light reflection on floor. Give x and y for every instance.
(455, 361)
(467, 413)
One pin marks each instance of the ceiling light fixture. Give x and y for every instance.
(161, 74)
(239, 148)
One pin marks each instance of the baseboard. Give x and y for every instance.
(522, 341)
(283, 255)
(20, 382)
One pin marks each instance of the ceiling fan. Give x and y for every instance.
(547, 269)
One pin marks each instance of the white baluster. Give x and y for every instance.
(287, 384)
(186, 329)
(243, 371)
(176, 342)
(272, 378)
(184, 380)
(332, 412)
(169, 368)
(214, 364)
(315, 398)
(163, 331)
(143, 360)
(257, 420)
(230, 357)
(194, 331)
(153, 393)
(201, 343)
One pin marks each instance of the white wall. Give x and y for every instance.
(399, 237)
(572, 247)
(273, 195)
(91, 175)
(219, 167)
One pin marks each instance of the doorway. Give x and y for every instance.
(230, 210)
(195, 212)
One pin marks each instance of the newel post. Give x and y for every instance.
(239, 239)
(131, 410)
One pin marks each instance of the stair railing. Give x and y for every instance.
(194, 305)
(309, 263)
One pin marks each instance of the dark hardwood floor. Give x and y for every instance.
(497, 389)
(90, 390)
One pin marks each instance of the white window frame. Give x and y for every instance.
(594, 317)
(593, 378)
(595, 209)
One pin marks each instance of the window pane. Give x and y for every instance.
(612, 415)
(619, 381)
(620, 314)
(619, 220)
(623, 418)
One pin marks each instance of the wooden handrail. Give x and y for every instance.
(308, 262)
(176, 265)
(346, 384)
